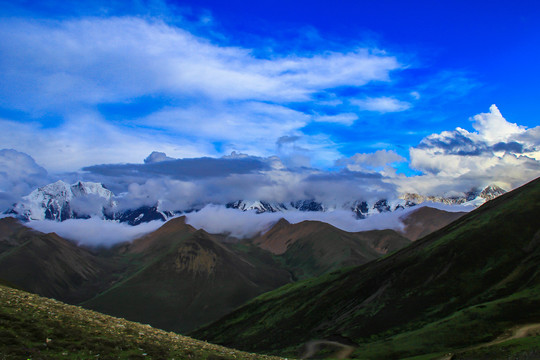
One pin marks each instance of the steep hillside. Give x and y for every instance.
(425, 220)
(35, 327)
(312, 248)
(185, 278)
(50, 265)
(459, 287)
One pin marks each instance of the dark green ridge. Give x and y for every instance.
(461, 286)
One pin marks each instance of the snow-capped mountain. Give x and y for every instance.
(474, 197)
(140, 215)
(491, 192)
(361, 208)
(59, 201)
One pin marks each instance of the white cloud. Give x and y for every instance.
(492, 127)
(499, 152)
(204, 93)
(94, 231)
(89, 139)
(19, 175)
(382, 104)
(103, 60)
(379, 161)
(220, 220)
(344, 119)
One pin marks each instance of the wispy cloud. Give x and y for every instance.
(383, 104)
(200, 91)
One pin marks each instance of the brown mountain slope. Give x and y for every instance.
(186, 278)
(49, 265)
(425, 220)
(311, 248)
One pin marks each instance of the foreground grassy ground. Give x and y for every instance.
(33, 327)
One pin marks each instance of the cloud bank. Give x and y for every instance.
(498, 152)
(220, 220)
(94, 231)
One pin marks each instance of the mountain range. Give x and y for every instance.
(177, 277)
(60, 201)
(470, 290)
(459, 286)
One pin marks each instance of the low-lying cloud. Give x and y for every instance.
(217, 219)
(94, 231)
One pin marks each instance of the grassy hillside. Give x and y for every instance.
(39, 328)
(462, 286)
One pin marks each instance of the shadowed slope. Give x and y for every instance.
(185, 278)
(50, 265)
(462, 285)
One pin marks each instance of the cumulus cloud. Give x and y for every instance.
(493, 128)
(94, 231)
(382, 104)
(157, 156)
(499, 152)
(19, 175)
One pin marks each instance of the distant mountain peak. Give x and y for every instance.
(491, 192)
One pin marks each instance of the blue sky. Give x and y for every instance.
(399, 89)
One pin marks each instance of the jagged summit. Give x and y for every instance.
(61, 201)
(54, 201)
(491, 192)
(473, 197)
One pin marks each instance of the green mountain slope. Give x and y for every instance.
(39, 328)
(461, 286)
(185, 278)
(312, 248)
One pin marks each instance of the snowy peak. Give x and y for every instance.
(56, 201)
(90, 188)
(491, 192)
(360, 208)
(473, 197)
